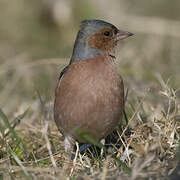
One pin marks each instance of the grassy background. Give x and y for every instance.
(36, 41)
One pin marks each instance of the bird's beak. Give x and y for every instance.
(123, 35)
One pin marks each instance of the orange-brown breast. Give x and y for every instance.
(89, 98)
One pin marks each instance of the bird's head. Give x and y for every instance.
(97, 37)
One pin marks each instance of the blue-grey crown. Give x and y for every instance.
(91, 26)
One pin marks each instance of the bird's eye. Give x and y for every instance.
(107, 33)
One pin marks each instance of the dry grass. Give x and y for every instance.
(34, 150)
(31, 146)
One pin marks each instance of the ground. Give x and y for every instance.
(36, 41)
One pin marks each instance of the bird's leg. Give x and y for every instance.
(68, 144)
(103, 143)
(68, 147)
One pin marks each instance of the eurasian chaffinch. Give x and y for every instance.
(89, 97)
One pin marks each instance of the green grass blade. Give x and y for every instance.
(89, 138)
(18, 161)
(123, 165)
(7, 125)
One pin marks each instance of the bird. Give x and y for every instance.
(89, 96)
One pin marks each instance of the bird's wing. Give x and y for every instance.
(63, 72)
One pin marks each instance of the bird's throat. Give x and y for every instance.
(83, 51)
